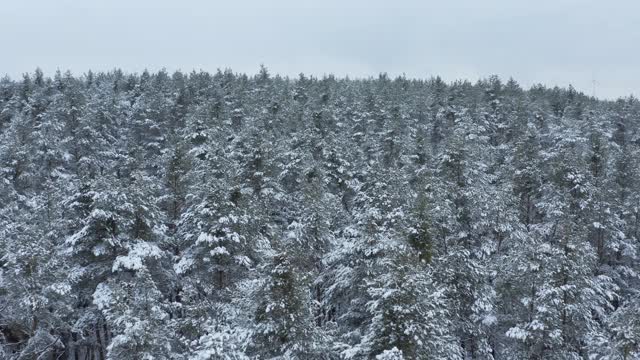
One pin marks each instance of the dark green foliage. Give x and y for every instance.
(228, 216)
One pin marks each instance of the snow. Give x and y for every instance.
(102, 296)
(517, 333)
(138, 254)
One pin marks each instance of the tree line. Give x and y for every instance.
(231, 216)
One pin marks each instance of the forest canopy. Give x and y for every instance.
(231, 216)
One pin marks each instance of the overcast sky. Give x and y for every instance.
(543, 41)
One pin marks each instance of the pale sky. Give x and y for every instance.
(553, 42)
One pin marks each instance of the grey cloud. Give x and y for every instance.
(549, 42)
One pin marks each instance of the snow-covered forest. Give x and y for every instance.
(230, 216)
